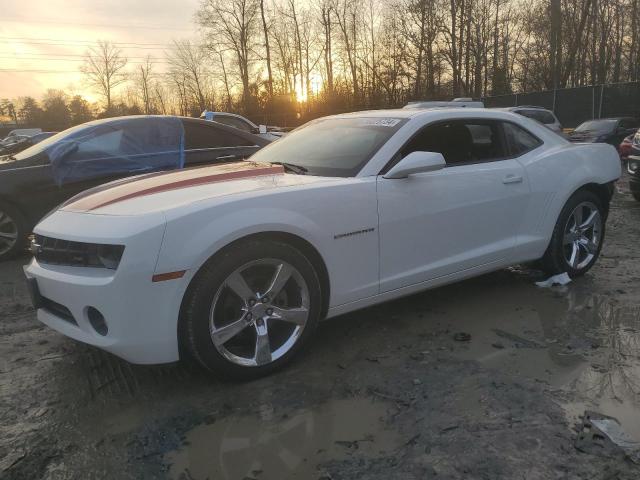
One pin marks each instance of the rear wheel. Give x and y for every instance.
(251, 309)
(577, 237)
(12, 232)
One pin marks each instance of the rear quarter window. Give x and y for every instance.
(519, 140)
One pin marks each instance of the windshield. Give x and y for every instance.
(332, 147)
(42, 146)
(598, 126)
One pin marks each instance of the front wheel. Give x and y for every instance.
(577, 237)
(251, 309)
(13, 232)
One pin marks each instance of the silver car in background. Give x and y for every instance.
(542, 115)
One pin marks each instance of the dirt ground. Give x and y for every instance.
(390, 392)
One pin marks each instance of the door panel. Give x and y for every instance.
(438, 223)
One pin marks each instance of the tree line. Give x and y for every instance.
(289, 60)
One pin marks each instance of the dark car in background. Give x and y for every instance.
(605, 130)
(633, 167)
(38, 179)
(22, 142)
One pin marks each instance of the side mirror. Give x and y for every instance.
(416, 162)
(262, 129)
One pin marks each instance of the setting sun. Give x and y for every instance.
(315, 84)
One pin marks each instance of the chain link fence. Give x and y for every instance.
(573, 106)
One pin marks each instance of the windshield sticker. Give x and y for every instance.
(381, 122)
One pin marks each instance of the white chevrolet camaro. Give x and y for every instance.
(235, 264)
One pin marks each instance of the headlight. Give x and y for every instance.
(633, 166)
(54, 251)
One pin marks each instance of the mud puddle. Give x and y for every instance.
(582, 347)
(271, 445)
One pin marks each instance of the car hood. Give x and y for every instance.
(587, 135)
(165, 191)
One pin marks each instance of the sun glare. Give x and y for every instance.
(302, 95)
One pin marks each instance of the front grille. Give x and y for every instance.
(55, 251)
(58, 310)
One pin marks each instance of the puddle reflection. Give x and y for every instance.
(269, 446)
(582, 344)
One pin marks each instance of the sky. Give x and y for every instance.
(42, 41)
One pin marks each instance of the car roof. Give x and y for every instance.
(420, 112)
(523, 107)
(609, 118)
(225, 128)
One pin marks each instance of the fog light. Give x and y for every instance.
(97, 321)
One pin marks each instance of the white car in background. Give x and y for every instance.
(455, 103)
(244, 124)
(540, 114)
(236, 264)
(14, 135)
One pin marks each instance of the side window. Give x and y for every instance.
(461, 141)
(541, 116)
(546, 117)
(520, 141)
(208, 136)
(233, 122)
(527, 113)
(105, 144)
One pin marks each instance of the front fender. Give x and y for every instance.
(340, 222)
(189, 243)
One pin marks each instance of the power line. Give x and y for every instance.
(38, 56)
(80, 45)
(21, 58)
(12, 70)
(82, 42)
(108, 25)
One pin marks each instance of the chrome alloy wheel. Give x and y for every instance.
(582, 235)
(8, 232)
(259, 312)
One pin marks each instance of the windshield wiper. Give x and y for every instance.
(291, 167)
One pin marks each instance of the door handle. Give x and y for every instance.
(511, 178)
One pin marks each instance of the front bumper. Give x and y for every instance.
(141, 316)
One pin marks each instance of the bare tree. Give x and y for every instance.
(326, 22)
(232, 25)
(309, 59)
(144, 76)
(267, 49)
(346, 14)
(104, 69)
(188, 62)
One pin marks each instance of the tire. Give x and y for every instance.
(13, 232)
(565, 239)
(636, 195)
(212, 305)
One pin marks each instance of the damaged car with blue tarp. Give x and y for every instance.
(36, 180)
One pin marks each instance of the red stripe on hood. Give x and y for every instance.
(171, 181)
